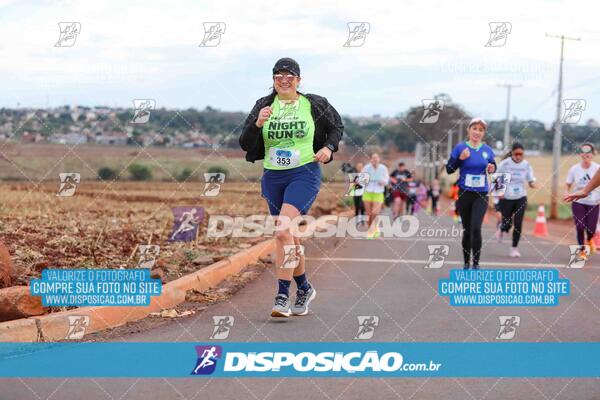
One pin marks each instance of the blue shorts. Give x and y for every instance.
(298, 186)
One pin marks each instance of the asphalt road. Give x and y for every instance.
(384, 278)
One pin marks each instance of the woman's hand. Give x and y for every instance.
(263, 116)
(323, 155)
(491, 168)
(575, 196)
(466, 153)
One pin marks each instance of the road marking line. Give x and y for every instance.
(459, 263)
(447, 239)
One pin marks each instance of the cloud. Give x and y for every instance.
(413, 47)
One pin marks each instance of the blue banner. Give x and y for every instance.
(299, 359)
(504, 287)
(95, 287)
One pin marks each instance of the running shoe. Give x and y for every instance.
(466, 266)
(582, 256)
(475, 266)
(499, 235)
(592, 246)
(514, 252)
(303, 299)
(281, 307)
(373, 235)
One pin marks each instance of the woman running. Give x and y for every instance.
(373, 195)
(292, 133)
(513, 203)
(475, 160)
(585, 210)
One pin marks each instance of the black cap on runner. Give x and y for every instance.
(287, 64)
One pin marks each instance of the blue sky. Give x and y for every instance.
(413, 51)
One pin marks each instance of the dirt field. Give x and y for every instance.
(101, 225)
(43, 162)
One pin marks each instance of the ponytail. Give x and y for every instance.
(515, 146)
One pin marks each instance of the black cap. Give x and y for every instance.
(287, 64)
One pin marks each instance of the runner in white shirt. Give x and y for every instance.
(585, 209)
(513, 203)
(373, 195)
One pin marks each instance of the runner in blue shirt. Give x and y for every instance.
(474, 159)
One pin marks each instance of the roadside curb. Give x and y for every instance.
(55, 326)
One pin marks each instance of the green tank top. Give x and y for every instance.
(288, 134)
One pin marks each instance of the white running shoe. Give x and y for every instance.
(514, 252)
(499, 235)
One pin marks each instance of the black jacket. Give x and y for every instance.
(328, 127)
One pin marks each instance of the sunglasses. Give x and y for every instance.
(284, 77)
(518, 154)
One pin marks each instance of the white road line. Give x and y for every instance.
(455, 262)
(449, 239)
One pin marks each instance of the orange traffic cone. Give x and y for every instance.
(596, 238)
(541, 229)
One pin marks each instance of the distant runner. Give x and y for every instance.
(585, 209)
(358, 190)
(292, 133)
(514, 202)
(434, 194)
(475, 160)
(373, 196)
(399, 179)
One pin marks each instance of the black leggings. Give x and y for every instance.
(434, 201)
(359, 206)
(472, 207)
(513, 209)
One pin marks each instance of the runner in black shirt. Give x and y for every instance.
(399, 179)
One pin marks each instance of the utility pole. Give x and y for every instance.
(506, 140)
(557, 143)
(449, 144)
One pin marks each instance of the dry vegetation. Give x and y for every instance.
(101, 225)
